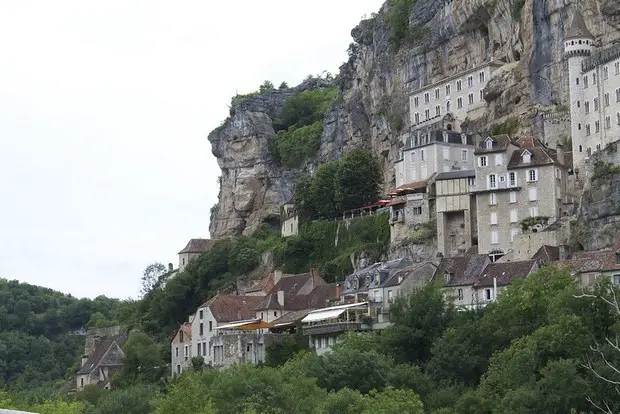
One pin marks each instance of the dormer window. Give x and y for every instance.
(367, 281)
(447, 276)
(400, 279)
(357, 283)
(489, 143)
(463, 139)
(348, 284)
(377, 279)
(527, 157)
(445, 137)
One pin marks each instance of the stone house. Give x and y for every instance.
(411, 206)
(588, 266)
(456, 212)
(219, 310)
(193, 250)
(102, 359)
(497, 276)
(289, 220)
(181, 349)
(520, 188)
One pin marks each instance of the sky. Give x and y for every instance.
(105, 108)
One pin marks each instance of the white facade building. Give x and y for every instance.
(594, 76)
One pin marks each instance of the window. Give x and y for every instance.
(275, 314)
(186, 354)
(482, 161)
(577, 80)
(448, 107)
(437, 110)
(578, 104)
(422, 155)
(448, 90)
(210, 326)
(494, 218)
(532, 194)
(492, 181)
(459, 85)
(494, 237)
(585, 81)
(471, 98)
(427, 114)
(459, 102)
(470, 81)
(579, 127)
(417, 210)
(463, 155)
(176, 351)
(459, 293)
(446, 154)
(82, 381)
(184, 261)
(527, 157)
(597, 126)
(514, 216)
(595, 104)
(416, 118)
(492, 199)
(594, 79)
(412, 156)
(513, 196)
(481, 76)
(499, 159)
(181, 337)
(437, 93)
(513, 234)
(588, 131)
(201, 313)
(608, 122)
(481, 93)
(606, 99)
(587, 107)
(605, 73)
(533, 211)
(618, 258)
(615, 281)
(617, 68)
(618, 116)
(618, 95)
(416, 102)
(532, 176)
(427, 97)
(201, 328)
(512, 179)
(390, 296)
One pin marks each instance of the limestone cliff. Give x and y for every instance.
(372, 111)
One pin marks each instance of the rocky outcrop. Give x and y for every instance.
(372, 110)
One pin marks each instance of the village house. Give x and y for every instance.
(411, 207)
(456, 212)
(193, 250)
(181, 349)
(589, 266)
(103, 357)
(289, 219)
(520, 188)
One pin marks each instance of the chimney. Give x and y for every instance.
(277, 275)
(281, 297)
(338, 290)
(563, 252)
(84, 359)
(315, 277)
(96, 341)
(170, 267)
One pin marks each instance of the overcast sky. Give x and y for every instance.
(105, 109)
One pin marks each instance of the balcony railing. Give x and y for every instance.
(333, 327)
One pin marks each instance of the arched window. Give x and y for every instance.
(580, 148)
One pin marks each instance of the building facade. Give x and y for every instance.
(193, 250)
(594, 79)
(181, 350)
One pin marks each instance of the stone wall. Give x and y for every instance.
(556, 129)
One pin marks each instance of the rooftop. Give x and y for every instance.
(596, 260)
(228, 308)
(463, 270)
(453, 175)
(198, 246)
(408, 188)
(577, 28)
(506, 272)
(499, 143)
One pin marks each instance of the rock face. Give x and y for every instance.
(372, 111)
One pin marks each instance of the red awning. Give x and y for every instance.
(412, 187)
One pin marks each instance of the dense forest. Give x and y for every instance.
(543, 347)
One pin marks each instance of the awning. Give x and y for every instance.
(331, 313)
(408, 188)
(247, 325)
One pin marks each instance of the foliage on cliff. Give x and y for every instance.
(300, 126)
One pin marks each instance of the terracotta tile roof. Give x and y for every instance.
(414, 186)
(500, 143)
(198, 246)
(322, 294)
(187, 331)
(291, 302)
(547, 254)
(505, 272)
(292, 284)
(595, 260)
(265, 284)
(233, 308)
(463, 270)
(291, 317)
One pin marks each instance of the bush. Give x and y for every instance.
(293, 146)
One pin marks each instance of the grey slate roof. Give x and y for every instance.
(452, 175)
(577, 28)
(500, 143)
(384, 269)
(463, 270)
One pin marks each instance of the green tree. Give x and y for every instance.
(151, 277)
(198, 363)
(267, 86)
(323, 190)
(136, 399)
(358, 180)
(283, 85)
(142, 362)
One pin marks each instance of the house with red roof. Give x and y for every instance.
(193, 249)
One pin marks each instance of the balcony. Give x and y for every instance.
(321, 328)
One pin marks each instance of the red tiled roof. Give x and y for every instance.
(408, 188)
(547, 254)
(291, 302)
(198, 246)
(595, 260)
(292, 284)
(229, 308)
(322, 294)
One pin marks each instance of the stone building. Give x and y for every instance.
(520, 187)
(193, 249)
(181, 349)
(433, 151)
(460, 95)
(410, 207)
(102, 359)
(289, 225)
(456, 212)
(594, 76)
